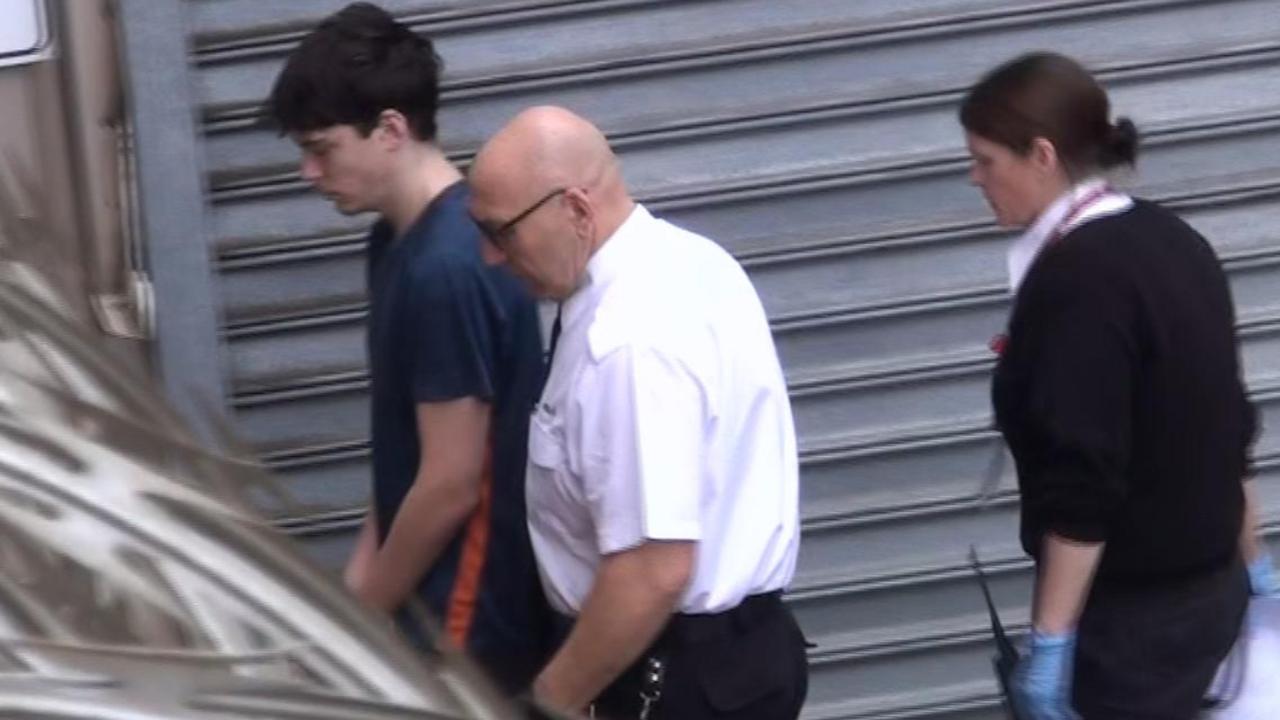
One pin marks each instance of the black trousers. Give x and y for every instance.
(748, 663)
(1149, 651)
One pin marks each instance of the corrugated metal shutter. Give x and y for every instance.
(817, 141)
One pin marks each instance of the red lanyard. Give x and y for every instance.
(1080, 207)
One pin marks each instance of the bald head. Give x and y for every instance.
(548, 192)
(544, 148)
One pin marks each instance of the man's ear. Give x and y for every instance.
(393, 129)
(582, 212)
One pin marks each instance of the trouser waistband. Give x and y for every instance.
(685, 628)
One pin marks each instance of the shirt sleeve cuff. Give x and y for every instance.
(687, 530)
(1079, 530)
(616, 542)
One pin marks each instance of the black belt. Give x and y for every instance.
(685, 628)
(626, 696)
(694, 628)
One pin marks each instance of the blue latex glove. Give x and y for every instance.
(1041, 682)
(1263, 580)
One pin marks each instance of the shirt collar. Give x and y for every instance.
(1023, 252)
(606, 263)
(382, 232)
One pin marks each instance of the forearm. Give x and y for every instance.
(623, 614)
(1063, 579)
(433, 511)
(1250, 547)
(362, 553)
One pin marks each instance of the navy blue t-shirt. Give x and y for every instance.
(443, 326)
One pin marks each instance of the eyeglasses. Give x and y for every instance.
(501, 233)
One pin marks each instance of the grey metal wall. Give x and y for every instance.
(816, 140)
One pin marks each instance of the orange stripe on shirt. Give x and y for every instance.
(461, 610)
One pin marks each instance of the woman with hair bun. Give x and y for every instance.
(1118, 391)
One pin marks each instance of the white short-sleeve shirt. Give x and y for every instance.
(665, 417)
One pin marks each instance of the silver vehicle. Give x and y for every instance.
(138, 580)
(135, 582)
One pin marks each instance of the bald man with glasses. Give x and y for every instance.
(662, 486)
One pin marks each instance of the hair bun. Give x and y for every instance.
(1121, 146)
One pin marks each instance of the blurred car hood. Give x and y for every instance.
(136, 580)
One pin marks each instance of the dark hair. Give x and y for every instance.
(355, 64)
(1050, 96)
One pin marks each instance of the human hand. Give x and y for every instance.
(1041, 682)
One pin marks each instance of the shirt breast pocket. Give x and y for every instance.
(546, 449)
(553, 492)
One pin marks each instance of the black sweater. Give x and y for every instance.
(1120, 397)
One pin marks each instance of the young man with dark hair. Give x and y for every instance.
(454, 354)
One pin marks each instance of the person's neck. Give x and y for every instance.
(424, 175)
(611, 222)
(612, 219)
(1053, 191)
